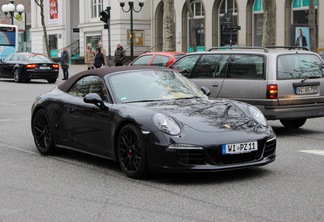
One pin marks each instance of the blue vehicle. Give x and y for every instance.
(8, 40)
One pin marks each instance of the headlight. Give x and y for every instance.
(166, 124)
(258, 116)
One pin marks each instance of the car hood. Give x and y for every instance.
(207, 115)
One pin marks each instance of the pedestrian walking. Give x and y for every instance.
(119, 55)
(103, 51)
(64, 61)
(89, 56)
(99, 60)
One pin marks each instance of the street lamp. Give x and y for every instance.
(9, 9)
(131, 10)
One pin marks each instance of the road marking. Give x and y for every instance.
(317, 152)
(17, 148)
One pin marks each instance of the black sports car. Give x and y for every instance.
(150, 119)
(24, 66)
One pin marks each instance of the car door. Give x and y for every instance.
(209, 72)
(88, 127)
(7, 65)
(245, 79)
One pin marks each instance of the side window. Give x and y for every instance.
(89, 84)
(159, 60)
(245, 67)
(142, 61)
(185, 64)
(206, 66)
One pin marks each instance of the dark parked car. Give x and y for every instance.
(157, 59)
(24, 66)
(150, 119)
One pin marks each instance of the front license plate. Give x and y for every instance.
(237, 148)
(305, 90)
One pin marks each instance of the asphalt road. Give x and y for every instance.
(77, 187)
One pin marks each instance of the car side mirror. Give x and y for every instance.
(94, 98)
(185, 72)
(205, 90)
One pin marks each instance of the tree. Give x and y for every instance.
(169, 26)
(269, 23)
(40, 3)
(311, 21)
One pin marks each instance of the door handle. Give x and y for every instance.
(214, 85)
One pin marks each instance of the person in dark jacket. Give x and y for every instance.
(65, 63)
(119, 55)
(99, 59)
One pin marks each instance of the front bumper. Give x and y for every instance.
(210, 158)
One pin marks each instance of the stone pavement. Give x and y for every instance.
(74, 69)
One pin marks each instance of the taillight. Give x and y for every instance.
(31, 66)
(272, 91)
(55, 66)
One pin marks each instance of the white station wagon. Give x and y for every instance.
(286, 84)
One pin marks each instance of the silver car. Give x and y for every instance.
(286, 84)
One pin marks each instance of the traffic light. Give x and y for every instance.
(105, 15)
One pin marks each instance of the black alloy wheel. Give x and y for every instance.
(42, 129)
(131, 152)
(17, 76)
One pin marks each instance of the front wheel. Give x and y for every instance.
(42, 130)
(293, 123)
(131, 152)
(17, 76)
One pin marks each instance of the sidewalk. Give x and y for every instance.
(74, 69)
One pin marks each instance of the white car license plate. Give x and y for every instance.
(45, 67)
(237, 148)
(304, 90)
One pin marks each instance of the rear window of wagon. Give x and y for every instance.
(299, 66)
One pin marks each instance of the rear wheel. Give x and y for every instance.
(53, 80)
(131, 152)
(17, 76)
(293, 123)
(42, 130)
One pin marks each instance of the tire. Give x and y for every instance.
(42, 130)
(17, 76)
(131, 152)
(53, 80)
(293, 123)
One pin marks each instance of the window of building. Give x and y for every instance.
(94, 39)
(198, 20)
(257, 22)
(228, 36)
(96, 8)
(300, 11)
(53, 45)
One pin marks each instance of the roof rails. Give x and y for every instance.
(265, 48)
(239, 47)
(288, 47)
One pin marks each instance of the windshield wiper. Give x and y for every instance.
(310, 77)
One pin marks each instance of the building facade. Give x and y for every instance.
(75, 23)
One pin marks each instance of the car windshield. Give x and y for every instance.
(152, 85)
(37, 58)
(300, 66)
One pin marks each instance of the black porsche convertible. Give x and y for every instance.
(150, 119)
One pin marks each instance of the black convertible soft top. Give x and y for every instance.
(101, 72)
